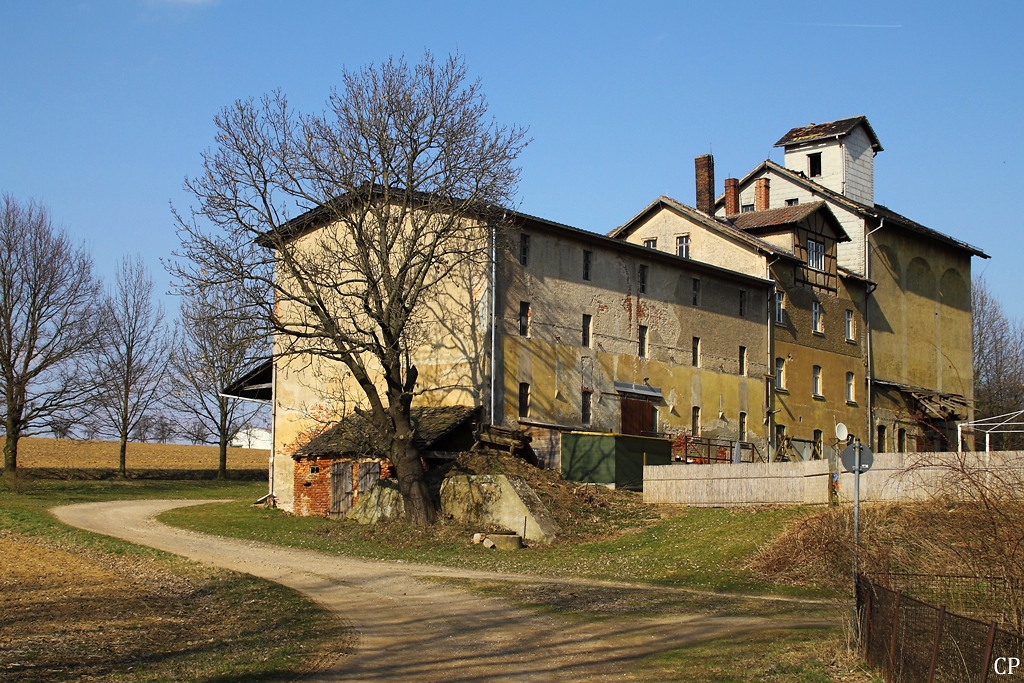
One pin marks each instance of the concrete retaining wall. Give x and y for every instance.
(893, 477)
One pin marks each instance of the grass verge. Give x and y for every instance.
(703, 548)
(78, 605)
(812, 655)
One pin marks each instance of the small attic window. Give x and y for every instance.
(814, 165)
(746, 208)
(792, 202)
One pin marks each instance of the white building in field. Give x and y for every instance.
(253, 437)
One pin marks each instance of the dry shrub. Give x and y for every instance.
(971, 525)
(818, 550)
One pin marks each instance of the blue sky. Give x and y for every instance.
(106, 106)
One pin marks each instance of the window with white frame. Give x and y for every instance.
(642, 341)
(780, 300)
(817, 322)
(816, 380)
(851, 390)
(851, 326)
(651, 242)
(683, 246)
(780, 373)
(588, 330)
(641, 279)
(815, 255)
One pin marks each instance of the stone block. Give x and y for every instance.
(383, 502)
(506, 502)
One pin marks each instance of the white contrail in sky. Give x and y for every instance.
(853, 25)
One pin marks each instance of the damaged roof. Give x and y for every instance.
(356, 435)
(832, 129)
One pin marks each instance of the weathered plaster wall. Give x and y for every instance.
(553, 360)
(452, 356)
(921, 313)
(795, 341)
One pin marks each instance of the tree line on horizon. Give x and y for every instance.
(80, 358)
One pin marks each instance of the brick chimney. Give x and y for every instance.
(705, 168)
(761, 194)
(732, 196)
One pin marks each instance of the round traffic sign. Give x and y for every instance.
(849, 457)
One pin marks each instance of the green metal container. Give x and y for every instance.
(612, 458)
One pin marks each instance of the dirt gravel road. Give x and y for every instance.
(412, 630)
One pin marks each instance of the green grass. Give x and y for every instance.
(813, 655)
(222, 627)
(24, 504)
(703, 548)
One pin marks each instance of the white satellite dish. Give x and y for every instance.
(842, 432)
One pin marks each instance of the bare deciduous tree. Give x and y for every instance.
(48, 296)
(998, 362)
(131, 360)
(215, 346)
(401, 178)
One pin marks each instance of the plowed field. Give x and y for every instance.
(102, 455)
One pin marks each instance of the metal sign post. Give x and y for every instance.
(857, 458)
(856, 506)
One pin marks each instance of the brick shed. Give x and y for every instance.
(346, 459)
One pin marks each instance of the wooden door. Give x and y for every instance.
(369, 473)
(341, 487)
(637, 415)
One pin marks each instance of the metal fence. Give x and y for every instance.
(914, 642)
(986, 599)
(700, 450)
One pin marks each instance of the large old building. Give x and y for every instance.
(765, 316)
(914, 284)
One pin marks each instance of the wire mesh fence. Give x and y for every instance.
(986, 599)
(911, 641)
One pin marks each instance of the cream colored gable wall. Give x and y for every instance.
(706, 245)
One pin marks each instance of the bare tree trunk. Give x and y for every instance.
(222, 467)
(11, 446)
(122, 451)
(419, 506)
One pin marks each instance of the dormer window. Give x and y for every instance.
(746, 208)
(814, 165)
(815, 255)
